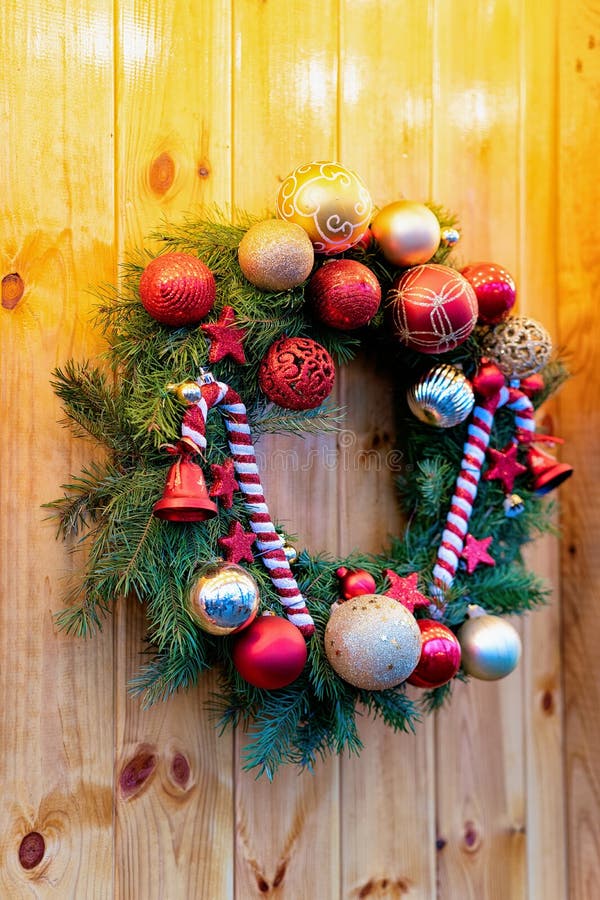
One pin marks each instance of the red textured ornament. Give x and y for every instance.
(270, 653)
(224, 484)
(356, 583)
(225, 338)
(237, 546)
(494, 288)
(344, 294)
(475, 552)
(296, 373)
(440, 655)
(433, 308)
(488, 379)
(177, 289)
(505, 466)
(532, 385)
(405, 590)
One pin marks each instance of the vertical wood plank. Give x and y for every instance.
(174, 803)
(56, 238)
(387, 800)
(578, 324)
(285, 109)
(480, 783)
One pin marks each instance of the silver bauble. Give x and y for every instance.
(441, 397)
(518, 345)
(490, 646)
(223, 598)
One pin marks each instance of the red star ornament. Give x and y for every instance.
(475, 552)
(405, 590)
(223, 483)
(504, 467)
(225, 339)
(238, 544)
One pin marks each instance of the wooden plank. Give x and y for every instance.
(578, 323)
(174, 801)
(388, 827)
(537, 297)
(481, 778)
(287, 833)
(56, 238)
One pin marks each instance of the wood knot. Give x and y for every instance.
(547, 702)
(471, 837)
(31, 850)
(440, 843)
(162, 173)
(384, 887)
(13, 288)
(203, 170)
(180, 770)
(137, 772)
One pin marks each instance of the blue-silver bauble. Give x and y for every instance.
(223, 598)
(442, 397)
(490, 646)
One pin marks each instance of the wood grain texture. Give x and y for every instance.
(55, 240)
(174, 798)
(578, 323)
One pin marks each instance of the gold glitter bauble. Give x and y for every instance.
(518, 345)
(331, 203)
(408, 233)
(372, 642)
(275, 255)
(223, 599)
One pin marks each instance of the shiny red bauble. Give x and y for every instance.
(177, 289)
(355, 583)
(440, 655)
(344, 294)
(488, 380)
(296, 373)
(432, 308)
(270, 653)
(494, 288)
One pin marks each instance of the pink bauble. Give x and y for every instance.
(270, 653)
(494, 288)
(433, 308)
(440, 655)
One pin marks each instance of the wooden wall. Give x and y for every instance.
(114, 114)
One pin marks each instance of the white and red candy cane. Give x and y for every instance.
(467, 483)
(268, 542)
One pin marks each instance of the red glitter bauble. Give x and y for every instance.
(494, 288)
(344, 294)
(433, 308)
(296, 373)
(177, 289)
(270, 653)
(440, 655)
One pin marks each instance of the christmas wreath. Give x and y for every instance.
(234, 330)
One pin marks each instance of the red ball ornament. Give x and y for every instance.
(433, 308)
(488, 380)
(356, 583)
(344, 294)
(177, 289)
(440, 655)
(296, 373)
(494, 288)
(270, 653)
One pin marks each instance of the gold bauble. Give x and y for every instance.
(223, 599)
(518, 345)
(331, 203)
(291, 554)
(408, 233)
(372, 642)
(275, 255)
(187, 392)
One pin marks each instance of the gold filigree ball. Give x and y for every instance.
(518, 345)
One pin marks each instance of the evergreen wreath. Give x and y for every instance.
(245, 319)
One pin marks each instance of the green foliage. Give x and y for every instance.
(123, 403)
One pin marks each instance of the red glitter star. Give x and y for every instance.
(223, 483)
(504, 466)
(475, 552)
(405, 590)
(225, 340)
(238, 544)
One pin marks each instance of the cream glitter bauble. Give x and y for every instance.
(330, 202)
(372, 642)
(275, 255)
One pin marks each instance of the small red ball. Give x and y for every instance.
(494, 288)
(488, 379)
(433, 308)
(344, 294)
(270, 653)
(296, 373)
(440, 655)
(356, 583)
(177, 289)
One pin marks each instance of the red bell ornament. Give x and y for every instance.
(440, 655)
(547, 472)
(185, 497)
